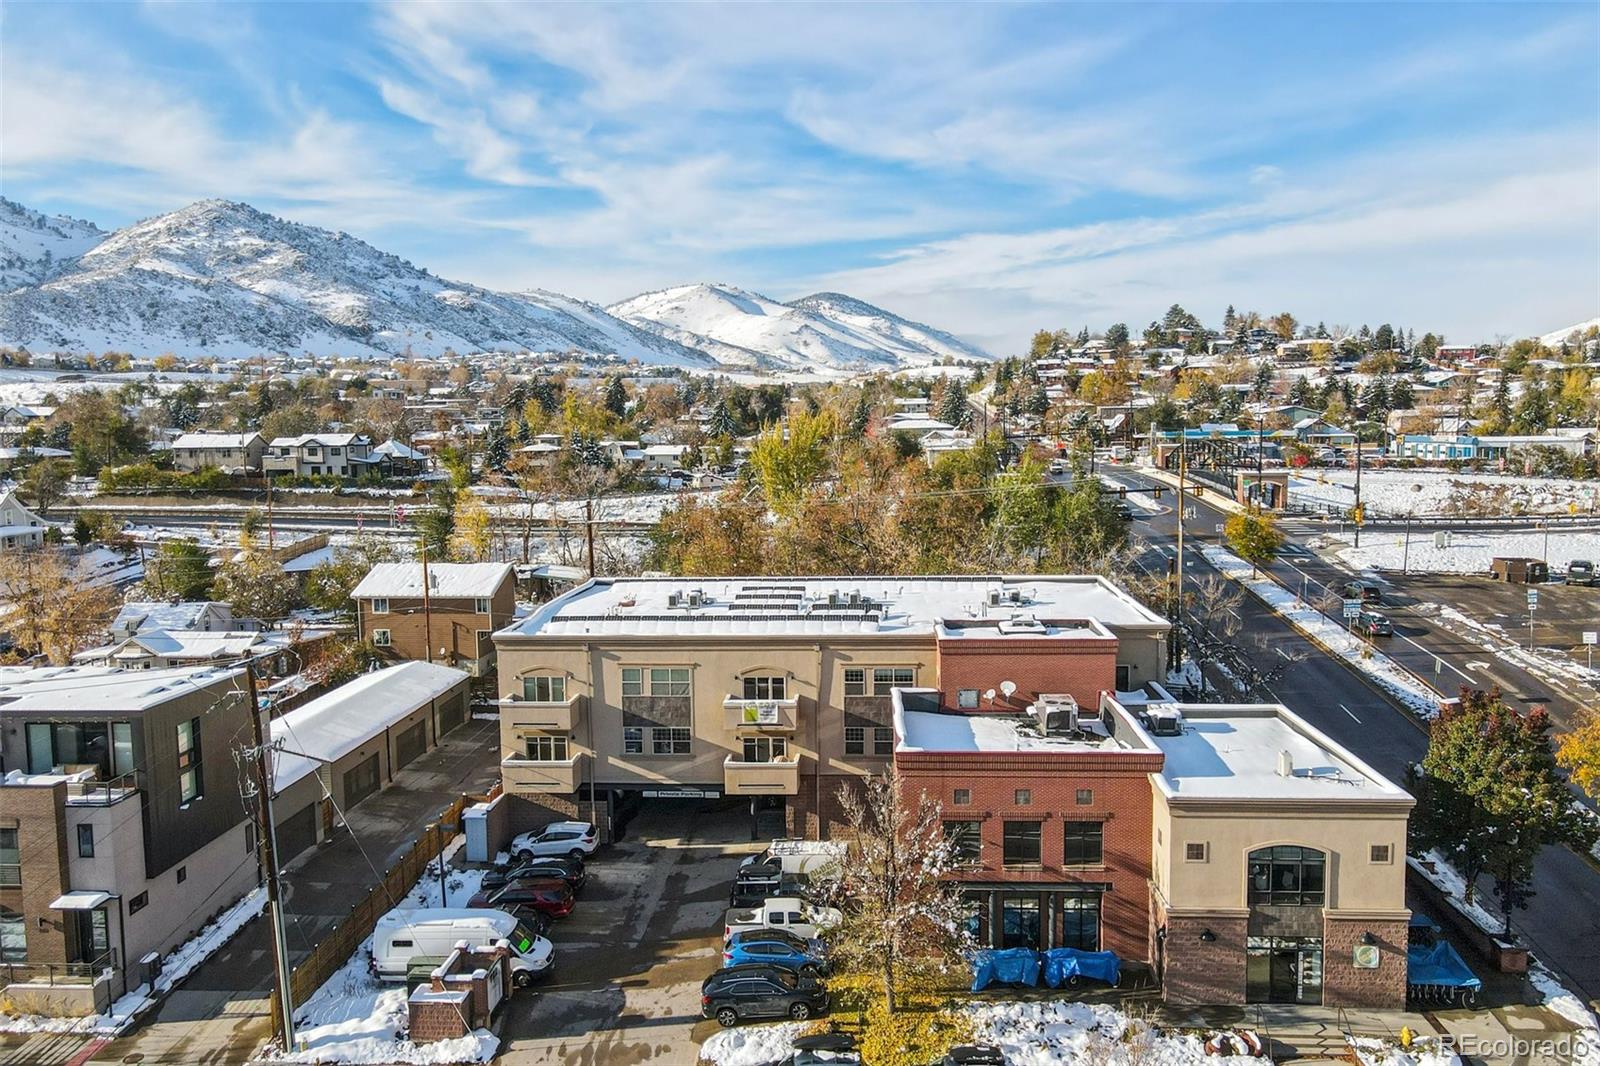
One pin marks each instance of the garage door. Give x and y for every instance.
(409, 743)
(452, 712)
(297, 832)
(360, 782)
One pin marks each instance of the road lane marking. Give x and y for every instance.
(1351, 713)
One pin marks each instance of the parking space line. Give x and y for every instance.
(1351, 713)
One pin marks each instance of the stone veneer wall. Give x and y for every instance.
(1345, 986)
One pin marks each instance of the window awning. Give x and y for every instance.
(80, 901)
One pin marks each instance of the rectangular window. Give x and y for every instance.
(10, 859)
(632, 740)
(669, 681)
(137, 903)
(632, 681)
(1084, 844)
(966, 841)
(183, 874)
(765, 749)
(961, 797)
(1194, 851)
(1084, 797)
(1080, 922)
(13, 936)
(885, 678)
(481, 605)
(1022, 797)
(85, 841)
(547, 748)
(855, 740)
(1124, 678)
(1379, 853)
(765, 688)
(855, 682)
(883, 741)
(380, 638)
(1022, 843)
(380, 605)
(673, 740)
(967, 698)
(191, 781)
(550, 689)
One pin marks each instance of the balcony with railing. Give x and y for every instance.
(776, 716)
(556, 716)
(61, 989)
(548, 776)
(780, 777)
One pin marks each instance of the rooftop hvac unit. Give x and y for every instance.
(1056, 715)
(674, 599)
(833, 598)
(855, 597)
(1165, 720)
(994, 597)
(1014, 595)
(696, 598)
(1285, 764)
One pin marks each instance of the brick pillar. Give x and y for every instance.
(1343, 985)
(1202, 972)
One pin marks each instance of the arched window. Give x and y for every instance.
(13, 936)
(1288, 875)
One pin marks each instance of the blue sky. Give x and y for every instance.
(985, 168)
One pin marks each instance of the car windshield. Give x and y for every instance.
(521, 939)
(787, 980)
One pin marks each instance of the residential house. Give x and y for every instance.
(452, 624)
(200, 616)
(121, 828)
(223, 451)
(313, 454)
(19, 527)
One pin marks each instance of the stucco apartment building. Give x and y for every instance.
(222, 451)
(314, 454)
(122, 831)
(779, 689)
(454, 625)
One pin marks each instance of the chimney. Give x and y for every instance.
(1285, 764)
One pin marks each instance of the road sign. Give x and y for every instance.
(1352, 608)
(1591, 637)
(1533, 598)
(1219, 527)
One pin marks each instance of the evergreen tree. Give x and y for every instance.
(860, 418)
(1302, 393)
(1229, 319)
(1383, 339)
(953, 406)
(1117, 336)
(616, 399)
(1402, 397)
(1262, 386)
(1038, 401)
(721, 423)
(496, 449)
(545, 395)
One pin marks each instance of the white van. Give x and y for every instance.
(404, 934)
(810, 857)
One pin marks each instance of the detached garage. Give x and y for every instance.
(353, 740)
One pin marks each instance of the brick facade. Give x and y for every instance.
(39, 816)
(1083, 667)
(456, 999)
(1200, 971)
(454, 622)
(1345, 986)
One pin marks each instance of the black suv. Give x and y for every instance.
(740, 993)
(973, 1055)
(569, 870)
(820, 1048)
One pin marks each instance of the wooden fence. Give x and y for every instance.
(343, 940)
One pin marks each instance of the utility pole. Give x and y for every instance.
(268, 849)
(427, 604)
(1177, 608)
(1358, 512)
(1405, 556)
(270, 544)
(588, 528)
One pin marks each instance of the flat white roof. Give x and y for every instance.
(338, 722)
(799, 606)
(1232, 751)
(450, 580)
(91, 688)
(932, 731)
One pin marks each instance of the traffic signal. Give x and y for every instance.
(1358, 513)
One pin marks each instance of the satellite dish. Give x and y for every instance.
(1008, 687)
(989, 695)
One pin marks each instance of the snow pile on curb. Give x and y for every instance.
(1384, 671)
(1378, 1053)
(1056, 1033)
(752, 1045)
(174, 968)
(355, 1018)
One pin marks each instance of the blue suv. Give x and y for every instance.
(776, 947)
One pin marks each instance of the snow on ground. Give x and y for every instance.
(355, 1018)
(1378, 1053)
(1494, 639)
(1055, 1033)
(1439, 492)
(1384, 671)
(177, 965)
(752, 1045)
(1467, 553)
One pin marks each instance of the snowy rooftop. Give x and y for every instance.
(338, 722)
(936, 731)
(1237, 752)
(215, 440)
(404, 580)
(816, 605)
(138, 616)
(90, 688)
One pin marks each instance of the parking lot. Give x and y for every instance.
(646, 932)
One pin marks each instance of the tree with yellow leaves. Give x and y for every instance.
(471, 539)
(1578, 752)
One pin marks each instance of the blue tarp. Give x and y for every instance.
(1063, 964)
(1439, 964)
(1011, 966)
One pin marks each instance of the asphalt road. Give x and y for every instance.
(1562, 922)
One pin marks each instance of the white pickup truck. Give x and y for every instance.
(781, 912)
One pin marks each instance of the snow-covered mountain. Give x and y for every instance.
(220, 278)
(33, 246)
(826, 331)
(1553, 340)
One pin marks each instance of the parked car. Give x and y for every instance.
(1373, 624)
(1361, 590)
(575, 840)
(1123, 511)
(547, 895)
(781, 912)
(973, 1055)
(752, 892)
(406, 934)
(569, 870)
(779, 948)
(746, 992)
(820, 1048)
(1580, 572)
(798, 856)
